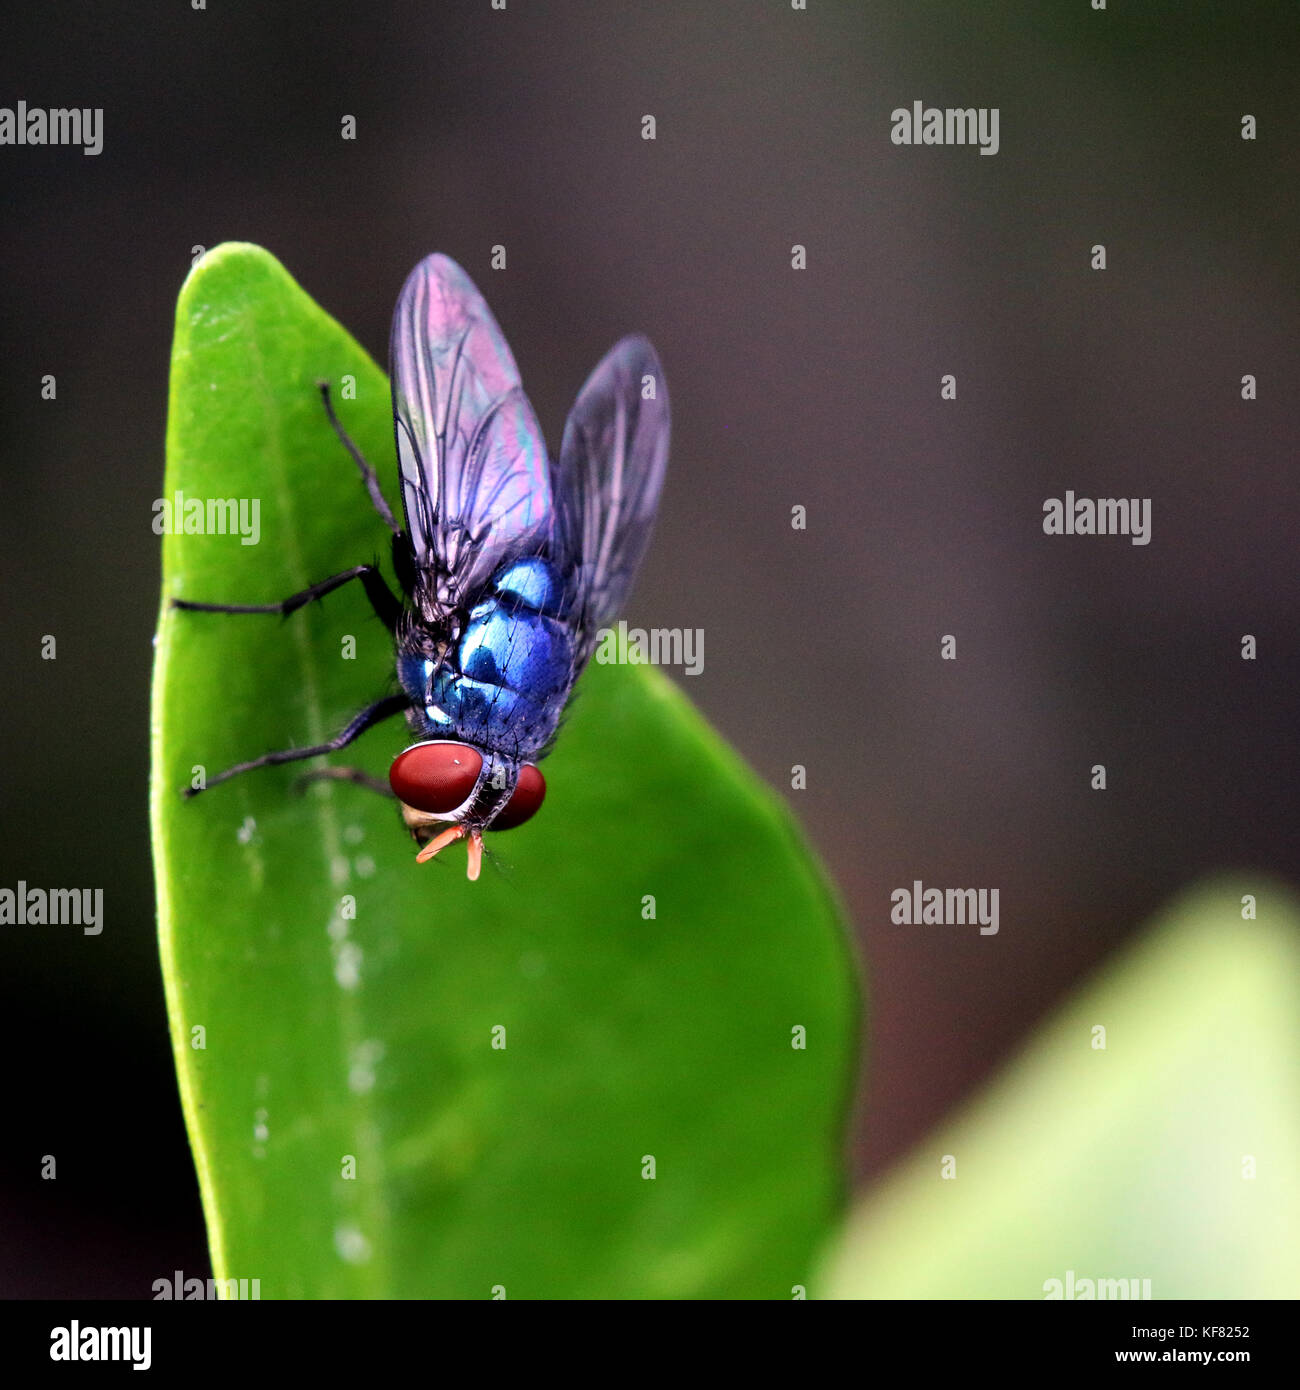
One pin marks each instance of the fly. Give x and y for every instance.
(509, 562)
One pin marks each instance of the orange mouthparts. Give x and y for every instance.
(449, 837)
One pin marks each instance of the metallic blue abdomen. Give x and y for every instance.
(514, 664)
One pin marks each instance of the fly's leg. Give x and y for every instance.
(370, 716)
(368, 474)
(346, 774)
(387, 608)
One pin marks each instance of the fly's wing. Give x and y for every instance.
(476, 485)
(607, 483)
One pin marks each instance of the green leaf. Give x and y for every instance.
(1167, 1156)
(347, 996)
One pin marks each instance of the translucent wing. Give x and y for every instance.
(476, 484)
(608, 481)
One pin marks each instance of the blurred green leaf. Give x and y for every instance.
(1127, 1163)
(336, 1042)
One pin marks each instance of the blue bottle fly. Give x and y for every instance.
(509, 562)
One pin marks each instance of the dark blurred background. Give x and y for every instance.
(817, 387)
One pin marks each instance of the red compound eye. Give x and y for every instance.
(436, 777)
(528, 795)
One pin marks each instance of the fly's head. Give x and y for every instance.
(464, 790)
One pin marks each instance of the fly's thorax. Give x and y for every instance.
(497, 675)
(416, 661)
